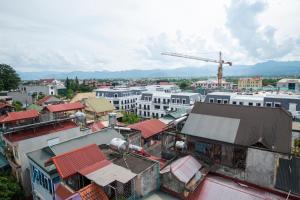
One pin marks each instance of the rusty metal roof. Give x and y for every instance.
(183, 168)
(70, 163)
(21, 115)
(63, 107)
(149, 127)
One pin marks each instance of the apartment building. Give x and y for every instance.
(123, 99)
(158, 104)
(212, 84)
(286, 101)
(254, 83)
(291, 85)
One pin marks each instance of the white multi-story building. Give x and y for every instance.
(212, 84)
(124, 99)
(291, 85)
(158, 104)
(264, 99)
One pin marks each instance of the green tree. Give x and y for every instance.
(9, 79)
(130, 118)
(67, 83)
(70, 93)
(18, 105)
(76, 84)
(9, 188)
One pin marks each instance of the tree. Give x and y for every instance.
(130, 118)
(76, 84)
(9, 188)
(9, 79)
(70, 93)
(18, 105)
(67, 83)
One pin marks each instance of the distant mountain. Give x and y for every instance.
(270, 68)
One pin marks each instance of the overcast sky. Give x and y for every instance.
(67, 35)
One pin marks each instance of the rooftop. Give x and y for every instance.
(72, 162)
(214, 187)
(64, 107)
(16, 116)
(98, 105)
(82, 96)
(241, 125)
(39, 131)
(149, 127)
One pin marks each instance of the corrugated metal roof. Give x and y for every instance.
(82, 96)
(109, 174)
(270, 126)
(92, 192)
(183, 168)
(97, 126)
(212, 127)
(98, 105)
(70, 163)
(63, 192)
(39, 131)
(214, 187)
(65, 107)
(21, 115)
(288, 175)
(149, 127)
(102, 137)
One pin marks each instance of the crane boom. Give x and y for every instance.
(189, 57)
(220, 62)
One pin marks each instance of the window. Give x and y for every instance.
(258, 104)
(173, 100)
(178, 101)
(219, 101)
(250, 104)
(211, 100)
(241, 103)
(234, 102)
(277, 104)
(116, 95)
(162, 115)
(225, 101)
(156, 107)
(148, 107)
(269, 104)
(183, 101)
(148, 113)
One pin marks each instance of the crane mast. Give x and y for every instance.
(220, 62)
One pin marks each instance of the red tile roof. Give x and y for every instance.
(21, 115)
(43, 100)
(92, 192)
(91, 168)
(70, 163)
(39, 131)
(149, 127)
(4, 104)
(214, 187)
(63, 192)
(64, 107)
(97, 126)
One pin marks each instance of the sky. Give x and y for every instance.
(114, 35)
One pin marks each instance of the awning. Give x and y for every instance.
(109, 174)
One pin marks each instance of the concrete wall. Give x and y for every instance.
(285, 102)
(216, 97)
(170, 182)
(150, 180)
(32, 144)
(260, 167)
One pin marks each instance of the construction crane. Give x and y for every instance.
(220, 62)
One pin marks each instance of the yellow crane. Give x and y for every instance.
(220, 62)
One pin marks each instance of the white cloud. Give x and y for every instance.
(116, 35)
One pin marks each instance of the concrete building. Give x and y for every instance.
(182, 176)
(238, 141)
(261, 99)
(157, 104)
(212, 84)
(290, 85)
(250, 83)
(38, 161)
(24, 139)
(123, 99)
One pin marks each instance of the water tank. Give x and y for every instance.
(80, 116)
(118, 144)
(180, 145)
(112, 119)
(135, 147)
